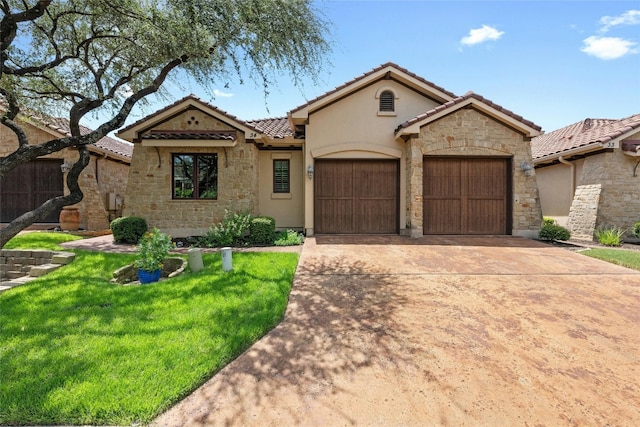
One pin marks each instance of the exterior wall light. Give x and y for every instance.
(66, 167)
(310, 172)
(526, 168)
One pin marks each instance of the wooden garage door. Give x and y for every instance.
(356, 196)
(28, 186)
(466, 195)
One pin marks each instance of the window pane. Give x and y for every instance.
(208, 176)
(281, 176)
(183, 176)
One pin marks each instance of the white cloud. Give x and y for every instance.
(631, 17)
(608, 47)
(481, 35)
(218, 92)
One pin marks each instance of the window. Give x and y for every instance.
(387, 99)
(195, 176)
(281, 175)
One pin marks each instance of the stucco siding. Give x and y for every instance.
(285, 208)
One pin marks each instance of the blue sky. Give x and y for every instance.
(552, 62)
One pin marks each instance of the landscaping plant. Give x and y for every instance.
(610, 236)
(152, 250)
(262, 230)
(233, 230)
(636, 229)
(288, 238)
(128, 229)
(553, 232)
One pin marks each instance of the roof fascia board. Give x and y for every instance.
(568, 153)
(132, 134)
(414, 128)
(188, 143)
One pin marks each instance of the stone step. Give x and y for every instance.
(63, 258)
(12, 274)
(41, 270)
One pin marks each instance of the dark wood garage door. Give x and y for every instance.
(467, 195)
(356, 196)
(28, 186)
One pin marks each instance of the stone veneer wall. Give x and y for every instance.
(149, 189)
(618, 203)
(93, 215)
(467, 132)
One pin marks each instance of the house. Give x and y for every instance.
(385, 153)
(588, 174)
(103, 181)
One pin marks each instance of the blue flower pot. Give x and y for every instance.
(149, 276)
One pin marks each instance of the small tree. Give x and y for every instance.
(102, 57)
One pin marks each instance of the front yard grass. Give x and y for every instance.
(625, 258)
(40, 240)
(76, 349)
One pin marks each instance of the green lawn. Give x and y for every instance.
(76, 349)
(40, 240)
(625, 258)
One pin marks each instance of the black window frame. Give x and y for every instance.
(285, 185)
(197, 158)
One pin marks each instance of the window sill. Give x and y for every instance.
(387, 113)
(281, 195)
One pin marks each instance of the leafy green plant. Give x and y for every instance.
(610, 236)
(262, 230)
(128, 229)
(288, 238)
(636, 229)
(152, 250)
(232, 231)
(554, 232)
(548, 221)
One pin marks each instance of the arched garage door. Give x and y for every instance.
(356, 196)
(466, 195)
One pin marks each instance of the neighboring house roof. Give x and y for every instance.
(384, 71)
(106, 145)
(413, 125)
(583, 136)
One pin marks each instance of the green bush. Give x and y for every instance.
(554, 232)
(232, 231)
(636, 230)
(548, 221)
(262, 230)
(610, 236)
(288, 238)
(128, 229)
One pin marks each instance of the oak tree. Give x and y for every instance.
(82, 58)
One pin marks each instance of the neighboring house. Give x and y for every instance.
(588, 174)
(386, 153)
(103, 181)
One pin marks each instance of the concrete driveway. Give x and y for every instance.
(391, 331)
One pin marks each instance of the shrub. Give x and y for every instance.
(152, 250)
(288, 238)
(262, 230)
(232, 231)
(636, 230)
(128, 229)
(548, 221)
(554, 232)
(610, 236)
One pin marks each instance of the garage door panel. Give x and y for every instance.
(466, 195)
(356, 196)
(442, 216)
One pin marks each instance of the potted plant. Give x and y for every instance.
(152, 249)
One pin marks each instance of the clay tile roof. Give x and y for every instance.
(277, 128)
(60, 125)
(461, 99)
(191, 134)
(581, 134)
(373, 71)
